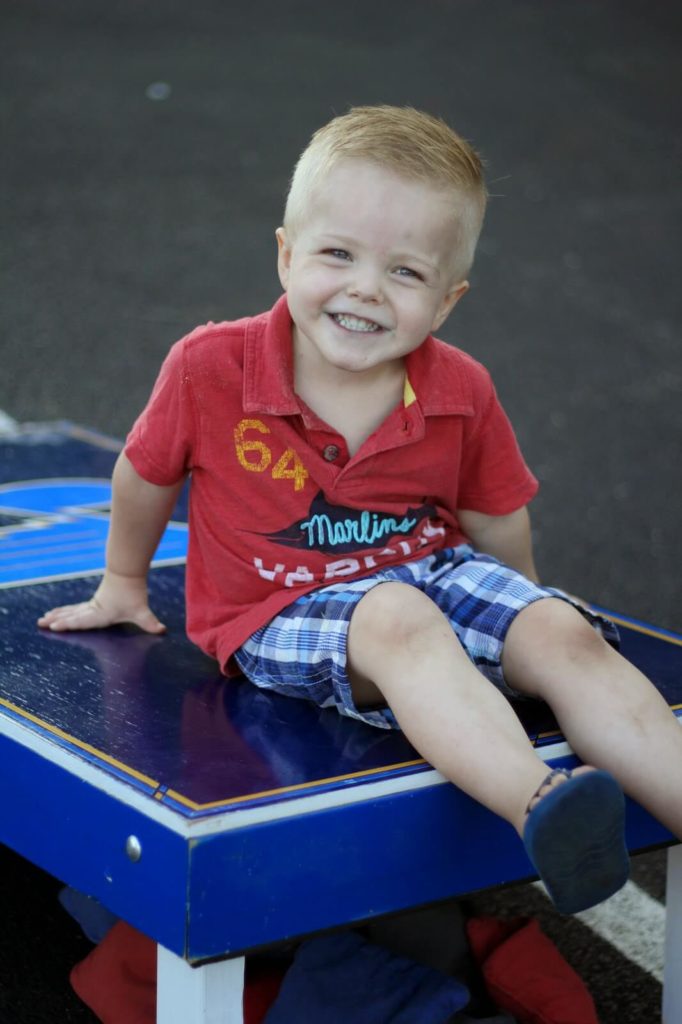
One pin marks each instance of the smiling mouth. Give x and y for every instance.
(356, 323)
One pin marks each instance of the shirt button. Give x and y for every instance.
(331, 452)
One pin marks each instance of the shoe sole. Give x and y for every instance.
(575, 839)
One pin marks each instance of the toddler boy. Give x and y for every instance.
(359, 533)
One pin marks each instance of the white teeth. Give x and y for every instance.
(355, 323)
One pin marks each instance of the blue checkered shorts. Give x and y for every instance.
(302, 651)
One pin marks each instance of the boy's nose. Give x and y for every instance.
(365, 285)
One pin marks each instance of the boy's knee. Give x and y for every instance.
(568, 626)
(391, 615)
(551, 632)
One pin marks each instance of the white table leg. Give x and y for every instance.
(672, 976)
(212, 994)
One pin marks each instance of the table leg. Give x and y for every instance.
(672, 977)
(212, 994)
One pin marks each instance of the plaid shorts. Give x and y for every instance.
(302, 651)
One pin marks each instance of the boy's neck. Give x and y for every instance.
(354, 404)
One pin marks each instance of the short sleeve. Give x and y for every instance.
(161, 441)
(494, 477)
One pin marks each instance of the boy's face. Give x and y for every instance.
(368, 274)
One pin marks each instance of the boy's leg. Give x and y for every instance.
(610, 713)
(402, 649)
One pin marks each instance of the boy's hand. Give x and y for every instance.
(117, 599)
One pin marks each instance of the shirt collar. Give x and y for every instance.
(436, 374)
(440, 378)
(269, 363)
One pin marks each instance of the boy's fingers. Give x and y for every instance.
(76, 616)
(80, 617)
(90, 615)
(53, 613)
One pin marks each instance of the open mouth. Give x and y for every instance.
(357, 324)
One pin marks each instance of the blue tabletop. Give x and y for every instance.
(154, 710)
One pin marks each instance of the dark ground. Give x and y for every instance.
(127, 220)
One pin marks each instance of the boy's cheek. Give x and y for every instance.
(316, 284)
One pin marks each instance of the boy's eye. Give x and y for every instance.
(339, 254)
(408, 272)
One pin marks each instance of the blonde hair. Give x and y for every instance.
(412, 144)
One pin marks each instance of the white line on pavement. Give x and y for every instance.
(634, 923)
(7, 424)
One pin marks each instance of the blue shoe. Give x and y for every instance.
(575, 839)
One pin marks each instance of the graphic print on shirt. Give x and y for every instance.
(358, 540)
(256, 457)
(361, 539)
(336, 529)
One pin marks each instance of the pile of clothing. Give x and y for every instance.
(424, 967)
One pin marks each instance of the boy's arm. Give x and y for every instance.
(139, 514)
(507, 538)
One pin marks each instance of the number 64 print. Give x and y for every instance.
(256, 457)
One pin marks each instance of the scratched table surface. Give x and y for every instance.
(134, 771)
(154, 713)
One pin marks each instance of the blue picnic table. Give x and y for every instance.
(216, 818)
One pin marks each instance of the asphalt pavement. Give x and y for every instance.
(145, 159)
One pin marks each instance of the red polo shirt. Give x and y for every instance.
(277, 508)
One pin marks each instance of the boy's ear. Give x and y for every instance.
(283, 257)
(450, 300)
